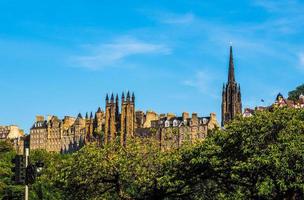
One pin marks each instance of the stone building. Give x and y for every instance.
(10, 132)
(56, 135)
(14, 135)
(173, 131)
(119, 121)
(280, 102)
(231, 95)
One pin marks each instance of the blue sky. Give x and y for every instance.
(62, 57)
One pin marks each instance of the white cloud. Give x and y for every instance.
(301, 60)
(116, 52)
(205, 82)
(177, 19)
(282, 6)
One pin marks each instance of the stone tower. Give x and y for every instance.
(231, 96)
(98, 120)
(127, 118)
(110, 120)
(89, 124)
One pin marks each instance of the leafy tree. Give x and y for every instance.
(7, 189)
(116, 172)
(261, 157)
(294, 94)
(44, 187)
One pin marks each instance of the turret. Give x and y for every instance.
(99, 110)
(128, 96)
(112, 98)
(116, 99)
(123, 97)
(133, 97)
(107, 98)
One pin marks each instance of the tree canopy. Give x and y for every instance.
(294, 94)
(259, 157)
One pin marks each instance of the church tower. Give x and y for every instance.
(110, 120)
(98, 120)
(127, 118)
(231, 96)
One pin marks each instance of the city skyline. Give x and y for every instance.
(176, 59)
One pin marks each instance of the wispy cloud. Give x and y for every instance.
(301, 60)
(205, 82)
(116, 52)
(280, 6)
(286, 15)
(177, 19)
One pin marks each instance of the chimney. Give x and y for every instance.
(194, 119)
(39, 118)
(185, 115)
(170, 115)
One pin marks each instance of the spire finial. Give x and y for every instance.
(231, 77)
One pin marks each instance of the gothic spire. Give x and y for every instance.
(123, 97)
(91, 116)
(231, 77)
(112, 97)
(116, 98)
(107, 98)
(128, 96)
(87, 117)
(133, 97)
(79, 116)
(99, 110)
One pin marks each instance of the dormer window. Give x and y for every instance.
(175, 123)
(185, 122)
(167, 123)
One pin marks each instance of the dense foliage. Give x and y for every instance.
(294, 94)
(260, 157)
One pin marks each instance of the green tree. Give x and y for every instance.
(260, 157)
(45, 184)
(7, 189)
(294, 94)
(116, 172)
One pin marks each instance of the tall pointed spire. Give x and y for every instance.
(231, 96)
(231, 77)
